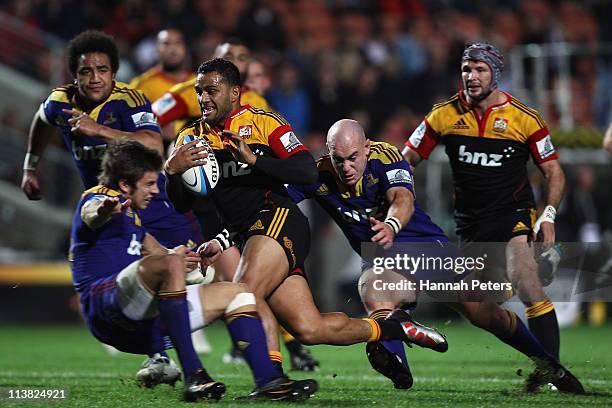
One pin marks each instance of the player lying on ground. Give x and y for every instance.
(366, 187)
(258, 212)
(133, 292)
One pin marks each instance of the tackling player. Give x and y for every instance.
(132, 289)
(489, 136)
(366, 187)
(92, 112)
(258, 152)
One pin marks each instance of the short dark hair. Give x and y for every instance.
(92, 41)
(228, 71)
(127, 160)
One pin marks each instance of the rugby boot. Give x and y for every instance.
(560, 377)
(389, 364)
(302, 360)
(416, 333)
(200, 386)
(158, 370)
(284, 389)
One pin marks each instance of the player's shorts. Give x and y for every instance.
(290, 228)
(499, 228)
(122, 312)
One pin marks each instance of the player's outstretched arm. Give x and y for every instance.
(182, 158)
(38, 138)
(97, 211)
(555, 178)
(401, 209)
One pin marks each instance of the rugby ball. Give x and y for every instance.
(202, 179)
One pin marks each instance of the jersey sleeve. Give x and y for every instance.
(281, 138)
(51, 109)
(539, 140)
(140, 118)
(397, 174)
(424, 139)
(169, 107)
(299, 193)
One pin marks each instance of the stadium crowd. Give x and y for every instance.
(382, 62)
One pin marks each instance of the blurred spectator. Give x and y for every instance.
(289, 97)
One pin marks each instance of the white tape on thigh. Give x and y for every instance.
(196, 315)
(240, 300)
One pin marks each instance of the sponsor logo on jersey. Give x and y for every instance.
(257, 225)
(88, 152)
(500, 124)
(110, 119)
(545, 147)
(290, 141)
(245, 131)
(144, 119)
(479, 158)
(163, 104)
(461, 124)
(323, 190)
(399, 176)
(417, 136)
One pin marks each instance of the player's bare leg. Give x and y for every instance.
(522, 271)
(263, 266)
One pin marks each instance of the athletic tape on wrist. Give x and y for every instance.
(31, 161)
(548, 215)
(394, 223)
(223, 239)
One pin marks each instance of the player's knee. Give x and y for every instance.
(307, 332)
(174, 266)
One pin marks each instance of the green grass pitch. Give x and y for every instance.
(477, 371)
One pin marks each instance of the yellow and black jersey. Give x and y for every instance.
(154, 82)
(488, 154)
(242, 191)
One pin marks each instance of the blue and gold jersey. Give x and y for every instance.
(351, 208)
(105, 251)
(125, 109)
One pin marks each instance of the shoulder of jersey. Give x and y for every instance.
(250, 97)
(192, 128)
(63, 93)
(534, 114)
(266, 115)
(453, 103)
(145, 76)
(133, 97)
(101, 190)
(384, 152)
(183, 87)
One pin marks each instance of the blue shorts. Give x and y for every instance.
(109, 324)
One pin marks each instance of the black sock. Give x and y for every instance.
(542, 321)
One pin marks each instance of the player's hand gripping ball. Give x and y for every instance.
(202, 178)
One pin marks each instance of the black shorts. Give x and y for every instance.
(290, 228)
(499, 228)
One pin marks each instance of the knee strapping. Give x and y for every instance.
(240, 300)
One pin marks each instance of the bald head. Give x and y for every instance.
(345, 131)
(348, 149)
